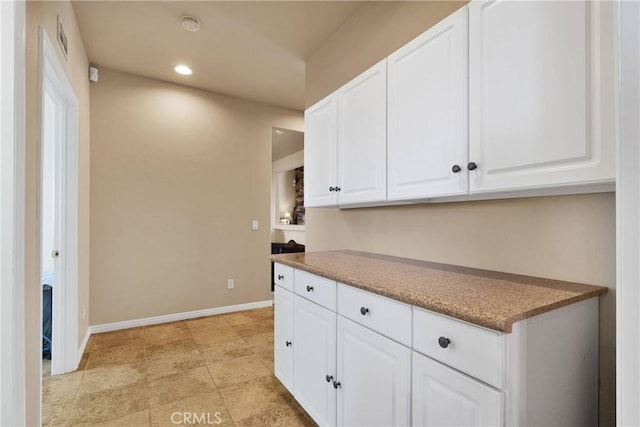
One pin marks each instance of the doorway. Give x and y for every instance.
(58, 207)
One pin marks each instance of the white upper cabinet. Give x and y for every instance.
(345, 147)
(320, 153)
(501, 96)
(362, 137)
(541, 94)
(427, 116)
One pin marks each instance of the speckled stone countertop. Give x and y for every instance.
(486, 298)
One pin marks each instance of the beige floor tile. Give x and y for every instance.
(238, 318)
(240, 370)
(166, 333)
(137, 419)
(112, 376)
(209, 322)
(256, 328)
(133, 336)
(220, 363)
(261, 313)
(154, 351)
(267, 359)
(89, 347)
(253, 398)
(288, 415)
(59, 387)
(110, 404)
(84, 361)
(214, 335)
(115, 356)
(56, 412)
(207, 407)
(173, 362)
(225, 351)
(180, 386)
(260, 342)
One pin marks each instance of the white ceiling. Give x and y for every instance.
(250, 49)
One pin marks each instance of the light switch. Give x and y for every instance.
(254, 224)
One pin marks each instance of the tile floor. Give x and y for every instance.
(217, 370)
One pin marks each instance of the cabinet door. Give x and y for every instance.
(362, 137)
(320, 153)
(541, 94)
(374, 373)
(428, 113)
(315, 358)
(445, 397)
(283, 337)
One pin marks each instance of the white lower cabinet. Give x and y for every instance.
(374, 375)
(445, 397)
(349, 368)
(283, 337)
(315, 360)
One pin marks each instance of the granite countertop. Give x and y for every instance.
(486, 298)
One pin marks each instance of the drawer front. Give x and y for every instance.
(471, 349)
(283, 276)
(388, 317)
(315, 288)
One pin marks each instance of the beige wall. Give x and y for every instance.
(75, 66)
(569, 237)
(177, 176)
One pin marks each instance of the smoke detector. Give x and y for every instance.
(190, 23)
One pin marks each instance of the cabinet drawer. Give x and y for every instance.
(383, 315)
(477, 351)
(283, 276)
(315, 288)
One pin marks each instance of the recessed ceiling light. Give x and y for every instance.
(183, 69)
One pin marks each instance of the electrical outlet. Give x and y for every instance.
(230, 284)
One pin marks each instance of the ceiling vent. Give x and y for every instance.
(190, 23)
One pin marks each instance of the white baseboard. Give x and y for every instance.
(83, 345)
(135, 323)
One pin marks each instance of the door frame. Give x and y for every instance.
(628, 217)
(53, 78)
(12, 213)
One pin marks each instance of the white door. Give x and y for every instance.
(320, 153)
(540, 94)
(283, 337)
(374, 375)
(58, 213)
(362, 137)
(427, 145)
(315, 360)
(445, 397)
